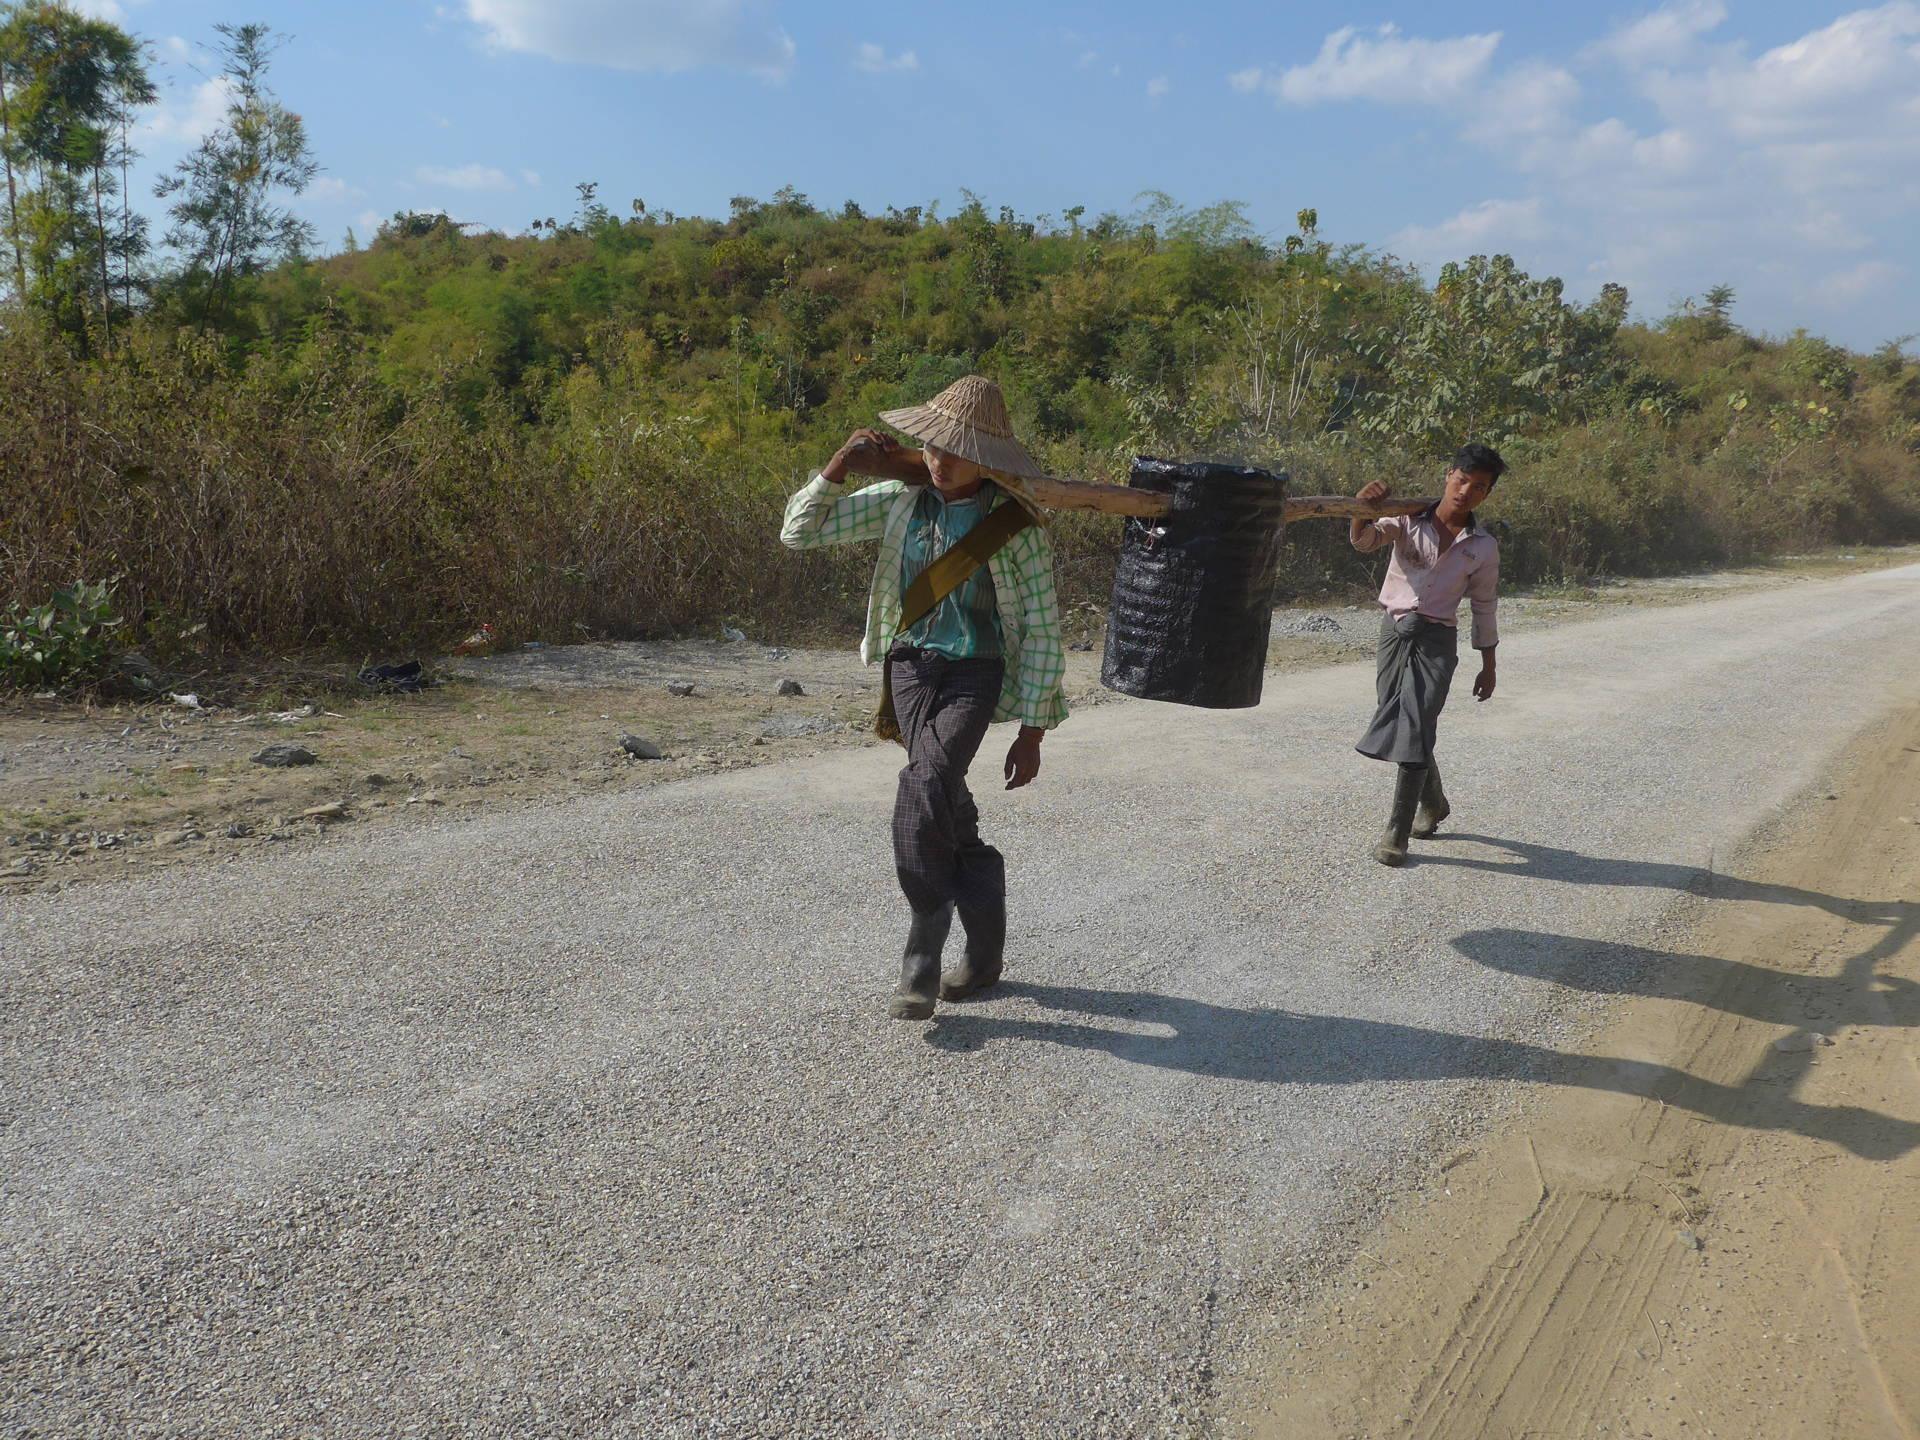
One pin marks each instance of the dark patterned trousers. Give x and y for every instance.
(943, 707)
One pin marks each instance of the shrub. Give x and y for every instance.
(65, 641)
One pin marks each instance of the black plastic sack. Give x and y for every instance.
(404, 678)
(1193, 593)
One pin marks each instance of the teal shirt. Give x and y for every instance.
(966, 624)
(1032, 689)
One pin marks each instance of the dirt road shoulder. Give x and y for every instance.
(92, 793)
(1742, 1263)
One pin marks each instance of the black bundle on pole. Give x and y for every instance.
(1193, 592)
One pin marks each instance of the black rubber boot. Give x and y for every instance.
(920, 969)
(1392, 849)
(1433, 805)
(985, 956)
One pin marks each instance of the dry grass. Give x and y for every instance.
(313, 507)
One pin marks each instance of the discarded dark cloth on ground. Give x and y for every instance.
(1416, 661)
(943, 707)
(406, 677)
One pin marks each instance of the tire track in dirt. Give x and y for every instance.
(1663, 1274)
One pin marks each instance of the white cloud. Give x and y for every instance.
(464, 177)
(100, 10)
(329, 187)
(1792, 172)
(1669, 154)
(184, 119)
(1087, 57)
(1157, 87)
(1819, 81)
(1665, 37)
(368, 221)
(530, 179)
(1386, 66)
(178, 47)
(648, 35)
(1531, 98)
(1492, 225)
(1857, 282)
(875, 61)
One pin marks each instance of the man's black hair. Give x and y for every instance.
(1482, 460)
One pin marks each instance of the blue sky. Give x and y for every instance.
(1773, 146)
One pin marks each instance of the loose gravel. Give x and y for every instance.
(587, 1119)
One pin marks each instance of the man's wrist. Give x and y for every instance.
(1032, 732)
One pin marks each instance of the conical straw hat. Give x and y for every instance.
(969, 419)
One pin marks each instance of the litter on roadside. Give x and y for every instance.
(478, 643)
(402, 679)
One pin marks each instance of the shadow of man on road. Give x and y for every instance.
(1284, 1047)
(1548, 862)
(1854, 996)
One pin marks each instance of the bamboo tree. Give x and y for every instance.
(70, 77)
(227, 221)
(124, 154)
(8, 63)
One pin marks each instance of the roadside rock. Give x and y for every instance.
(789, 687)
(282, 756)
(332, 810)
(680, 687)
(792, 727)
(454, 771)
(641, 749)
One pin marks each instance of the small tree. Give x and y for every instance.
(227, 220)
(1486, 354)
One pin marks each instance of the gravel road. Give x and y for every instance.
(587, 1119)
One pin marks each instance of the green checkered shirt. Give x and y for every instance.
(1034, 691)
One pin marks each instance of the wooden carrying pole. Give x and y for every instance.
(1057, 494)
(1125, 500)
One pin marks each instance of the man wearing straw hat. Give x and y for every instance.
(964, 616)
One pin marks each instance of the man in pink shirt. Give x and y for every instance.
(1440, 556)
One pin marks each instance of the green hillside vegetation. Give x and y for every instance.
(591, 427)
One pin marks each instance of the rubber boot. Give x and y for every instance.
(985, 956)
(1392, 849)
(920, 969)
(1433, 805)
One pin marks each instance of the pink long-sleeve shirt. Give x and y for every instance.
(1432, 577)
